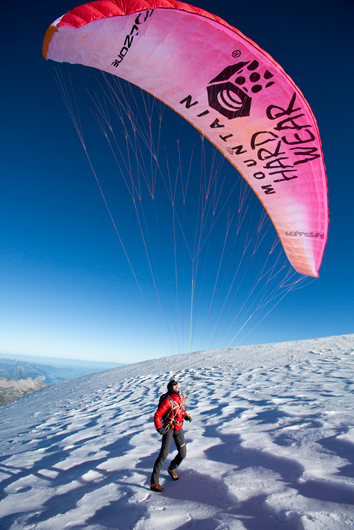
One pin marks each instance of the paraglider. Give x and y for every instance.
(228, 88)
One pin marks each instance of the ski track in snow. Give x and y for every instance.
(270, 446)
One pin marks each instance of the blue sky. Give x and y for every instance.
(65, 285)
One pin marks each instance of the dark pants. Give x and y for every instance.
(180, 442)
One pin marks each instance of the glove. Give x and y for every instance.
(162, 430)
(188, 418)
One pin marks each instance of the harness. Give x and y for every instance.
(174, 412)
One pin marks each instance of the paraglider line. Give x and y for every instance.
(220, 356)
(190, 332)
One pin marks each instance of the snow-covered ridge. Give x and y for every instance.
(271, 444)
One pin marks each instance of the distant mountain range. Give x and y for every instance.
(19, 377)
(11, 390)
(55, 372)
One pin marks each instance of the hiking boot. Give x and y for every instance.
(172, 472)
(156, 487)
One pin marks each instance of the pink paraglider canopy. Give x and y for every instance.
(226, 87)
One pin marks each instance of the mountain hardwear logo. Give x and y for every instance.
(228, 98)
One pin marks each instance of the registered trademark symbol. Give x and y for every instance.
(236, 53)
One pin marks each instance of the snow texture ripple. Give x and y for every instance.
(271, 445)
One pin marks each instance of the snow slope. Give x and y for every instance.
(270, 446)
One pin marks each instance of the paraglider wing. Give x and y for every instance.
(224, 85)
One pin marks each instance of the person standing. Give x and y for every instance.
(168, 421)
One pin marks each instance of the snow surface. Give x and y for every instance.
(270, 446)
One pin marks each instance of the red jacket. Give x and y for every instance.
(168, 415)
